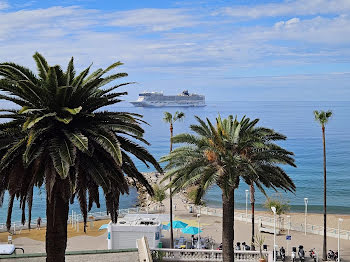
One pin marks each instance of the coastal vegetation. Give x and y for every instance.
(171, 119)
(222, 155)
(322, 118)
(59, 136)
(191, 194)
(259, 241)
(282, 206)
(159, 195)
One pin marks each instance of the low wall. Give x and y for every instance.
(126, 255)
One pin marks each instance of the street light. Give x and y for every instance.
(306, 200)
(339, 221)
(246, 205)
(288, 232)
(199, 240)
(274, 233)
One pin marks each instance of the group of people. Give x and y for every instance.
(244, 246)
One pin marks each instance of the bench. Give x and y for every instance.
(8, 249)
(269, 230)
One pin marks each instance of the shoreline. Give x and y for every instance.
(313, 218)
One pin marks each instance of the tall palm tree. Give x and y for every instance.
(220, 155)
(61, 138)
(322, 117)
(170, 119)
(262, 156)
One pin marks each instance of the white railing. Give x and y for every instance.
(17, 226)
(268, 221)
(167, 254)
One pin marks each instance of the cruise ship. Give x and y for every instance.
(158, 99)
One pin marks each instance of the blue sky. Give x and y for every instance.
(228, 50)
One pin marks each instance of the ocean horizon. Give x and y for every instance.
(293, 118)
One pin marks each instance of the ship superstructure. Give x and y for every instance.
(158, 99)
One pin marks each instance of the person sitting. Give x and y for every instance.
(238, 246)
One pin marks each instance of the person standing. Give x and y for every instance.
(38, 223)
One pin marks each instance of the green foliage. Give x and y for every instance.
(191, 194)
(282, 206)
(158, 256)
(159, 194)
(61, 132)
(169, 118)
(322, 116)
(259, 241)
(224, 153)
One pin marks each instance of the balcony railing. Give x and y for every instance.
(167, 254)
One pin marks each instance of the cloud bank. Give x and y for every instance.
(200, 48)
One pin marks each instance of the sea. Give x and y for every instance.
(293, 119)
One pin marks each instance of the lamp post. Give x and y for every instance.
(274, 233)
(339, 221)
(305, 201)
(288, 233)
(246, 205)
(199, 239)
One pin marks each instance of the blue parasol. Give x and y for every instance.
(191, 230)
(178, 224)
(105, 226)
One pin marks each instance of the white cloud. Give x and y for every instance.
(153, 19)
(294, 7)
(199, 48)
(4, 5)
(331, 31)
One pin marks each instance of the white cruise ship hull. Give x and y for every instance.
(158, 104)
(156, 99)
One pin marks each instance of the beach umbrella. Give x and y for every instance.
(165, 227)
(191, 230)
(178, 224)
(105, 226)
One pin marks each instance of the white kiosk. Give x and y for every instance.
(131, 227)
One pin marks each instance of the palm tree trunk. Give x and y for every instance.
(56, 228)
(170, 196)
(324, 196)
(228, 226)
(252, 201)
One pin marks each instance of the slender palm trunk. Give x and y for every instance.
(56, 229)
(171, 198)
(324, 196)
(228, 226)
(252, 202)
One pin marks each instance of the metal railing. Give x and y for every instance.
(16, 226)
(268, 221)
(240, 216)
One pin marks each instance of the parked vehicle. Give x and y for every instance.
(332, 255)
(313, 254)
(301, 253)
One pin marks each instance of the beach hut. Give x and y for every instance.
(127, 230)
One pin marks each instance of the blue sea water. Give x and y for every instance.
(293, 119)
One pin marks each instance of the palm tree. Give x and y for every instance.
(282, 206)
(220, 155)
(61, 138)
(159, 194)
(261, 157)
(170, 119)
(322, 117)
